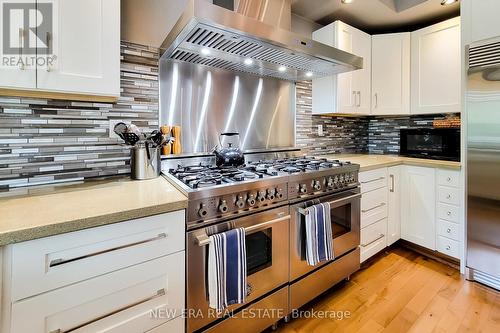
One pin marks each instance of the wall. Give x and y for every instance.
(341, 134)
(374, 135)
(49, 141)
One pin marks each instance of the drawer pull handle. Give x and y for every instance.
(369, 209)
(448, 213)
(448, 230)
(61, 261)
(448, 247)
(373, 241)
(373, 180)
(392, 184)
(159, 293)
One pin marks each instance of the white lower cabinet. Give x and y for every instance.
(422, 205)
(394, 205)
(125, 277)
(418, 206)
(373, 212)
(122, 301)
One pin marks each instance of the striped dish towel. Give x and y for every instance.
(319, 240)
(227, 269)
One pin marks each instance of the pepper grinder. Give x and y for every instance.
(176, 146)
(167, 148)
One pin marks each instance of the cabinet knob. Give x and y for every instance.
(448, 213)
(448, 179)
(448, 247)
(448, 230)
(448, 196)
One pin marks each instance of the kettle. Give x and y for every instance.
(228, 156)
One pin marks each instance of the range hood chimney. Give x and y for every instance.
(254, 38)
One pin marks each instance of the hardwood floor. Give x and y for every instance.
(402, 291)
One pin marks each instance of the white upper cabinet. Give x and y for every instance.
(391, 74)
(86, 42)
(480, 19)
(13, 74)
(418, 206)
(83, 44)
(347, 92)
(436, 68)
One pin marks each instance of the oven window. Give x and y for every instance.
(259, 250)
(341, 220)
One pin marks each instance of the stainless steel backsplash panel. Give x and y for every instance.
(206, 101)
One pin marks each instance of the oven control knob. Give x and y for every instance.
(261, 196)
(223, 206)
(303, 188)
(203, 210)
(329, 182)
(240, 202)
(251, 200)
(271, 194)
(341, 179)
(317, 185)
(279, 193)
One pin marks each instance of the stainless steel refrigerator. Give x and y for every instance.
(483, 163)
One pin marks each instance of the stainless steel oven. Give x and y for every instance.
(267, 243)
(345, 217)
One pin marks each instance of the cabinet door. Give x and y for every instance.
(436, 68)
(394, 205)
(418, 206)
(391, 74)
(86, 41)
(345, 37)
(480, 19)
(362, 46)
(324, 90)
(15, 71)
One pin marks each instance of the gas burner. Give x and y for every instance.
(291, 169)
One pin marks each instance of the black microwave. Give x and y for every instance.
(432, 143)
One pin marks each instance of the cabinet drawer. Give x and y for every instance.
(448, 246)
(373, 179)
(53, 262)
(122, 301)
(449, 195)
(449, 229)
(373, 206)
(173, 326)
(448, 212)
(373, 239)
(448, 178)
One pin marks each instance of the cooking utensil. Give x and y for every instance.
(130, 138)
(120, 128)
(156, 137)
(131, 128)
(229, 156)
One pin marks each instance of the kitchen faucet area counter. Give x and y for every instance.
(85, 205)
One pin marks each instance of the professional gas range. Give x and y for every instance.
(267, 197)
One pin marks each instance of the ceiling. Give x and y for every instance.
(377, 16)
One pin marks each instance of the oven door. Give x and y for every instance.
(345, 217)
(267, 261)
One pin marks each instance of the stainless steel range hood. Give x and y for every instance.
(210, 35)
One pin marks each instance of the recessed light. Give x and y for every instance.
(347, 1)
(448, 2)
(248, 61)
(282, 68)
(205, 51)
(309, 74)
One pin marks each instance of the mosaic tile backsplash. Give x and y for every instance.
(340, 134)
(48, 141)
(374, 135)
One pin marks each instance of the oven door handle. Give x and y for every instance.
(306, 212)
(204, 239)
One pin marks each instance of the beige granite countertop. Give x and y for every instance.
(370, 162)
(88, 204)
